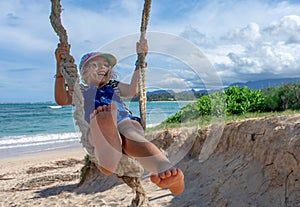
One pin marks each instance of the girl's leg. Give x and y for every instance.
(105, 138)
(152, 159)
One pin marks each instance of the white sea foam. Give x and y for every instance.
(22, 141)
(55, 107)
(39, 139)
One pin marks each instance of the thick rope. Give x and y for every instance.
(69, 71)
(127, 167)
(141, 60)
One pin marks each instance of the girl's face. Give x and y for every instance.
(97, 71)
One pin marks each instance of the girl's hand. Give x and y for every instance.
(61, 49)
(142, 46)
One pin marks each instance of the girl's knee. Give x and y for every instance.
(131, 126)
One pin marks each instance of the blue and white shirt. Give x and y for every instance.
(95, 97)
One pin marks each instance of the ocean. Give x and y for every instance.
(28, 128)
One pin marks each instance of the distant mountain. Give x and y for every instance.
(170, 95)
(263, 84)
(159, 92)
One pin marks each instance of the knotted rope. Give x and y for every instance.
(141, 60)
(69, 71)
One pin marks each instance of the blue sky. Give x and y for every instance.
(242, 40)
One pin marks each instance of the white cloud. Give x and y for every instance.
(286, 29)
(254, 51)
(244, 40)
(247, 35)
(287, 23)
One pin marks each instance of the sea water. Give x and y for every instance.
(27, 128)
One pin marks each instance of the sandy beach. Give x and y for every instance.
(51, 180)
(32, 180)
(256, 163)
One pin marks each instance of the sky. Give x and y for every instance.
(192, 43)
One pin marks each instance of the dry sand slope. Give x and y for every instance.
(256, 163)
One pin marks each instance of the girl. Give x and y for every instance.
(113, 129)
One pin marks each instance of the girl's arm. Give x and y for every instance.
(132, 89)
(62, 95)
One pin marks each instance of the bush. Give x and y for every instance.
(243, 100)
(283, 98)
(236, 100)
(207, 105)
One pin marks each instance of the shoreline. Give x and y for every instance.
(30, 159)
(48, 151)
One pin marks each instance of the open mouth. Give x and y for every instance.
(102, 73)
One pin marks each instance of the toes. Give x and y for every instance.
(168, 173)
(172, 179)
(100, 109)
(155, 179)
(93, 114)
(174, 171)
(105, 108)
(162, 175)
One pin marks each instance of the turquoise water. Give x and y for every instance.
(42, 126)
(25, 119)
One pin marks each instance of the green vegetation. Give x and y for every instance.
(236, 101)
(171, 96)
(283, 98)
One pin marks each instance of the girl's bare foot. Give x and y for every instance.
(172, 179)
(106, 138)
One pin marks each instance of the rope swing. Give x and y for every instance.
(141, 60)
(128, 169)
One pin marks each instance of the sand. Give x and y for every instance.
(51, 180)
(256, 163)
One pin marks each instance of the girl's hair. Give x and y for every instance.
(114, 74)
